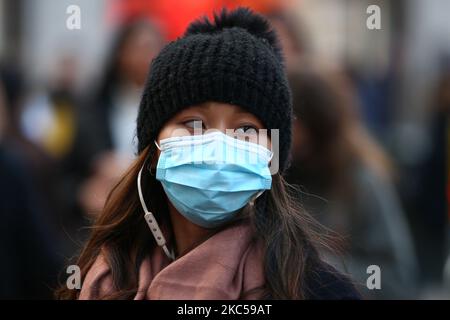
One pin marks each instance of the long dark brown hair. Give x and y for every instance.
(289, 236)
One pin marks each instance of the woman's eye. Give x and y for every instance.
(246, 130)
(194, 124)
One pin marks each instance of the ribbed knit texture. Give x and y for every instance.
(236, 60)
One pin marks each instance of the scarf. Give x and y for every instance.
(227, 266)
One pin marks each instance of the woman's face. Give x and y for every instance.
(215, 116)
(205, 118)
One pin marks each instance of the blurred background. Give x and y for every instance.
(370, 135)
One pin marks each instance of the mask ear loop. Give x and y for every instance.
(149, 168)
(252, 201)
(151, 221)
(157, 145)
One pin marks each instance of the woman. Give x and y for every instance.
(224, 227)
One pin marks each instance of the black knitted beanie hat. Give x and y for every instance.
(236, 59)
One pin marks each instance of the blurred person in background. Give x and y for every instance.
(48, 118)
(49, 121)
(431, 207)
(334, 158)
(28, 247)
(105, 143)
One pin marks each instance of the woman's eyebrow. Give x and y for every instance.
(249, 117)
(190, 113)
(246, 114)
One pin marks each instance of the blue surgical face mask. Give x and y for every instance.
(209, 178)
